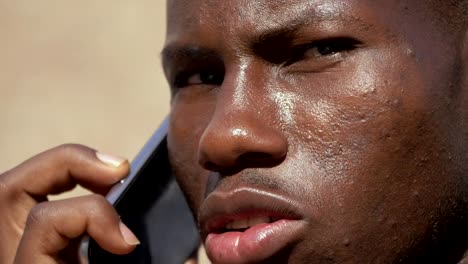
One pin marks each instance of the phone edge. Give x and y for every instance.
(119, 188)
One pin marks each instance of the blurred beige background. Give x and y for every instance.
(80, 71)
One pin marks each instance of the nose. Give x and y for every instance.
(242, 133)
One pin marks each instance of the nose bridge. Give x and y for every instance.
(241, 128)
(242, 86)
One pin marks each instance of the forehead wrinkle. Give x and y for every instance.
(309, 15)
(256, 20)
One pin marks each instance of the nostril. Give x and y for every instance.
(260, 159)
(246, 160)
(211, 166)
(256, 156)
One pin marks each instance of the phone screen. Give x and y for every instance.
(153, 207)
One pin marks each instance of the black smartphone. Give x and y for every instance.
(151, 204)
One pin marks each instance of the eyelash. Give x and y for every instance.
(206, 77)
(323, 49)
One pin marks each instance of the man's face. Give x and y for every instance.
(318, 131)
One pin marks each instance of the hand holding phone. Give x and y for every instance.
(39, 231)
(151, 204)
(35, 230)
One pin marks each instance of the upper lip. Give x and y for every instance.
(219, 208)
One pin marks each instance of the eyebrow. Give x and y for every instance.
(308, 17)
(175, 52)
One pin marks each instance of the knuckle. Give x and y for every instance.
(3, 189)
(98, 204)
(38, 214)
(3, 184)
(70, 149)
(6, 188)
(71, 152)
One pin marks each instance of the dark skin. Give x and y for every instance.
(353, 113)
(34, 230)
(357, 121)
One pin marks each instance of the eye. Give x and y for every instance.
(323, 49)
(204, 78)
(199, 78)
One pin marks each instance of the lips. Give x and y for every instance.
(248, 225)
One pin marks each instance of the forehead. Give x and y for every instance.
(260, 15)
(247, 11)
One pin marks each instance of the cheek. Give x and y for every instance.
(368, 107)
(387, 157)
(380, 154)
(183, 138)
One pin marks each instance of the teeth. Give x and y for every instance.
(258, 220)
(240, 224)
(249, 222)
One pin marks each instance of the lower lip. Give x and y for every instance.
(254, 244)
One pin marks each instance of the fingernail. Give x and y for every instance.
(128, 235)
(110, 160)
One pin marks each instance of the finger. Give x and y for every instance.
(52, 225)
(61, 168)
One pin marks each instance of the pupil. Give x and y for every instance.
(210, 78)
(325, 50)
